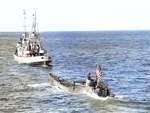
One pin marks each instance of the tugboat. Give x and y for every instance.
(29, 49)
(90, 86)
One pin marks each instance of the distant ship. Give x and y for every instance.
(29, 49)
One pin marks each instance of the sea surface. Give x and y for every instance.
(124, 57)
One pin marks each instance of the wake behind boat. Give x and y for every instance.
(29, 49)
(90, 86)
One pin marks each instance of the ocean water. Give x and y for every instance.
(124, 57)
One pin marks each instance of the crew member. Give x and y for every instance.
(88, 82)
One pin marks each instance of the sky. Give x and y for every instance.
(76, 15)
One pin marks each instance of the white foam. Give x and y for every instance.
(95, 96)
(122, 98)
(39, 85)
(119, 97)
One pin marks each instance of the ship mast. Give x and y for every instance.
(34, 23)
(24, 13)
(34, 27)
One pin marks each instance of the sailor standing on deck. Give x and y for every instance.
(88, 82)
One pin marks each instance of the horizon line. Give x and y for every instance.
(82, 30)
